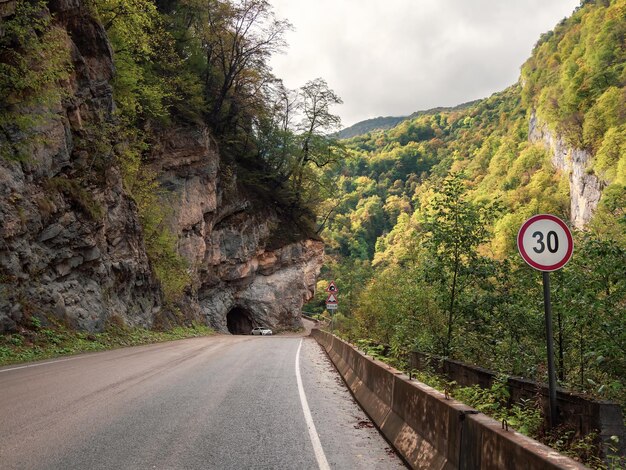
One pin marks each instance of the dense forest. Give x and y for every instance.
(421, 229)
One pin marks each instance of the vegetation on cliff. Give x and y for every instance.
(206, 63)
(177, 63)
(34, 61)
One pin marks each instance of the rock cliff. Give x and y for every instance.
(585, 187)
(71, 245)
(243, 273)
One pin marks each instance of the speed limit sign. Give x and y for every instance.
(545, 242)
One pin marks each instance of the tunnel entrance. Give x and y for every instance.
(238, 321)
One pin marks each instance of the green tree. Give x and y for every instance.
(456, 228)
(317, 148)
(397, 309)
(153, 80)
(298, 154)
(276, 139)
(232, 42)
(593, 299)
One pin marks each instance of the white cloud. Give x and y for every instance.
(394, 57)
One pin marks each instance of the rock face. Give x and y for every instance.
(239, 282)
(585, 188)
(72, 248)
(56, 258)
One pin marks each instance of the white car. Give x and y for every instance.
(261, 330)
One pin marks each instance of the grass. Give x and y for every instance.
(35, 342)
(81, 197)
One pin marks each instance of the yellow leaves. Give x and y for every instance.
(505, 231)
(365, 185)
(396, 205)
(611, 156)
(131, 24)
(607, 112)
(620, 175)
(529, 161)
(398, 245)
(322, 285)
(610, 218)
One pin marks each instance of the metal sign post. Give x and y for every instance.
(331, 302)
(331, 310)
(546, 244)
(547, 305)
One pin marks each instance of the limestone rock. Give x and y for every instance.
(224, 235)
(585, 188)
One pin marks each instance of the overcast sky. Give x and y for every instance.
(394, 57)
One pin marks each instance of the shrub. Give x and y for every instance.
(34, 62)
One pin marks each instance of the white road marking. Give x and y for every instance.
(40, 364)
(322, 463)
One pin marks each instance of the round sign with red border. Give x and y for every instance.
(545, 242)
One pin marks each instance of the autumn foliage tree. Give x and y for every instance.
(229, 44)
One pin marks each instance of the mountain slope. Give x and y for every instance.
(562, 125)
(422, 232)
(383, 123)
(374, 124)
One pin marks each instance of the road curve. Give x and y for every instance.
(222, 402)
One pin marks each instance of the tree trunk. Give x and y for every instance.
(451, 311)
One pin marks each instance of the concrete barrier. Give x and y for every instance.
(582, 413)
(429, 430)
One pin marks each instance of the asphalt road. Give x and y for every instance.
(222, 402)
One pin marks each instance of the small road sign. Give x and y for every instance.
(332, 287)
(545, 242)
(331, 302)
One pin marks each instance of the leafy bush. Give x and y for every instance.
(525, 416)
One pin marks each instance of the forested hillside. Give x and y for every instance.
(421, 230)
(388, 122)
(363, 127)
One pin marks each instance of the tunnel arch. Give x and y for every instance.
(239, 321)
